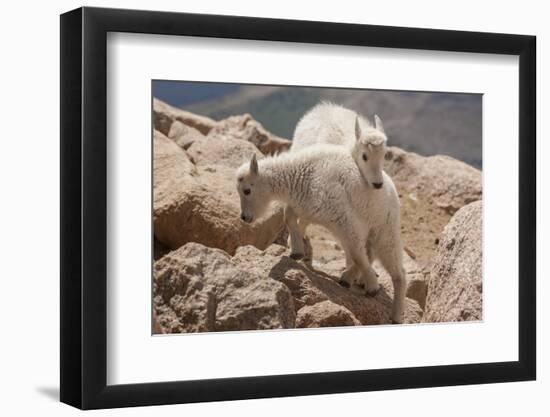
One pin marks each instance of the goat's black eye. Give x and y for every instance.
(246, 191)
(365, 157)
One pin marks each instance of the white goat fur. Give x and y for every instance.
(323, 185)
(331, 123)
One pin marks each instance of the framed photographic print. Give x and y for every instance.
(258, 208)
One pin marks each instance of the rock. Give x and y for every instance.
(246, 128)
(159, 249)
(450, 183)
(267, 263)
(311, 286)
(325, 314)
(172, 167)
(185, 128)
(417, 288)
(455, 283)
(198, 289)
(226, 152)
(164, 115)
(200, 203)
(184, 135)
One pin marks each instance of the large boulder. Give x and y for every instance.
(245, 128)
(448, 182)
(184, 135)
(310, 286)
(222, 152)
(199, 202)
(417, 284)
(164, 115)
(199, 289)
(172, 167)
(455, 284)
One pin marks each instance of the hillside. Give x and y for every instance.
(421, 122)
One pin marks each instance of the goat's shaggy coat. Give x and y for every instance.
(333, 124)
(323, 185)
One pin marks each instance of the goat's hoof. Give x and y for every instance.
(343, 283)
(357, 289)
(373, 291)
(296, 256)
(396, 321)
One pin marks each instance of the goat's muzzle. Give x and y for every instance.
(246, 219)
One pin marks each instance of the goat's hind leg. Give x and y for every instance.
(392, 261)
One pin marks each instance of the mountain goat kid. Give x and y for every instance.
(323, 185)
(330, 123)
(334, 124)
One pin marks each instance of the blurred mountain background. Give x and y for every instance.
(423, 122)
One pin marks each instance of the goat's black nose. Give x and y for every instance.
(242, 217)
(377, 185)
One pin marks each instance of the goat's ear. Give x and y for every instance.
(357, 128)
(254, 165)
(378, 123)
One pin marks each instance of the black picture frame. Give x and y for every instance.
(84, 207)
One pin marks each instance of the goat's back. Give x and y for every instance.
(326, 123)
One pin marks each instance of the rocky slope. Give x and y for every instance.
(213, 272)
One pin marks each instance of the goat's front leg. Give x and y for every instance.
(350, 275)
(368, 276)
(358, 265)
(352, 272)
(297, 248)
(370, 280)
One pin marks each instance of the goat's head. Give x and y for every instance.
(369, 151)
(254, 195)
